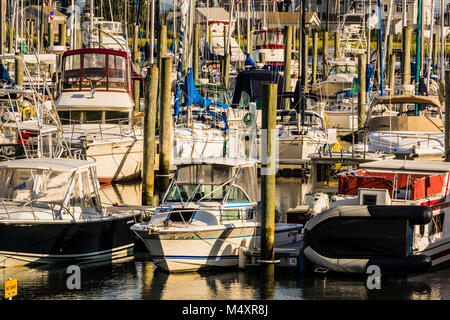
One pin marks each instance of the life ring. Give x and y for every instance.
(248, 119)
(27, 112)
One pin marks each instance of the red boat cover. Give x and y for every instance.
(420, 184)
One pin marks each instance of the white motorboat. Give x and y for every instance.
(112, 34)
(207, 215)
(390, 213)
(52, 212)
(406, 126)
(97, 111)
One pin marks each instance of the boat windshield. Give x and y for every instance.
(100, 71)
(205, 192)
(44, 186)
(349, 69)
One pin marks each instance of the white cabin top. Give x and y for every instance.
(407, 166)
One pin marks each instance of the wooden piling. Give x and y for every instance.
(447, 116)
(392, 75)
(406, 59)
(62, 34)
(42, 36)
(51, 43)
(225, 40)
(226, 75)
(100, 34)
(209, 36)
(32, 31)
(28, 34)
(11, 38)
(262, 57)
(305, 63)
(165, 126)
(2, 29)
(324, 54)
(314, 61)
(18, 72)
(362, 92)
(137, 65)
(337, 38)
(79, 39)
(162, 53)
(195, 63)
(249, 42)
(269, 107)
(287, 64)
(435, 50)
(148, 172)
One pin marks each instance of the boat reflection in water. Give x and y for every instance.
(139, 280)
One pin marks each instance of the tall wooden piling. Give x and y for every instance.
(305, 72)
(137, 65)
(314, 61)
(362, 92)
(209, 36)
(447, 115)
(225, 40)
(42, 36)
(165, 126)
(195, 63)
(162, 53)
(406, 59)
(324, 54)
(287, 64)
(337, 40)
(2, 29)
(151, 96)
(268, 171)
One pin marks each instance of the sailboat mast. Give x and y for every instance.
(248, 26)
(91, 23)
(380, 41)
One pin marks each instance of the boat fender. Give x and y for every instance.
(417, 215)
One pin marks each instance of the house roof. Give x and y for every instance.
(214, 14)
(47, 10)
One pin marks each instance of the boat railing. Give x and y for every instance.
(399, 137)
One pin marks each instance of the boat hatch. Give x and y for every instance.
(406, 186)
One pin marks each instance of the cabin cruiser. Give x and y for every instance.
(341, 76)
(405, 126)
(389, 213)
(97, 111)
(52, 212)
(208, 214)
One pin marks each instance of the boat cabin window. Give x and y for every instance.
(105, 72)
(69, 117)
(344, 69)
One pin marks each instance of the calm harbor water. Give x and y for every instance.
(137, 279)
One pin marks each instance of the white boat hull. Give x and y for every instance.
(210, 247)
